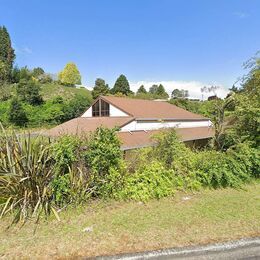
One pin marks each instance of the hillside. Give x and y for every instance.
(60, 103)
(52, 90)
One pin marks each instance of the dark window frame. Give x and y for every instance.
(100, 108)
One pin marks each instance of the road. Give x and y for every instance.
(248, 249)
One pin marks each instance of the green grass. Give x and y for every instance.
(208, 216)
(52, 90)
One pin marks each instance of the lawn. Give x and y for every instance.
(114, 227)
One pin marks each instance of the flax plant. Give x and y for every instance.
(26, 171)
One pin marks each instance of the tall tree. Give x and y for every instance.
(100, 88)
(7, 55)
(70, 75)
(161, 92)
(141, 90)
(17, 114)
(29, 91)
(36, 72)
(121, 86)
(158, 91)
(180, 93)
(153, 89)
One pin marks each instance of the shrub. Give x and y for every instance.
(248, 157)
(216, 169)
(103, 151)
(169, 149)
(150, 181)
(66, 152)
(26, 170)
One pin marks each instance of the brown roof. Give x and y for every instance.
(138, 139)
(149, 109)
(81, 125)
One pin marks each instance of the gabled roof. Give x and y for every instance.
(149, 109)
(81, 125)
(139, 139)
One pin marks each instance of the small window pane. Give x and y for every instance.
(104, 108)
(95, 109)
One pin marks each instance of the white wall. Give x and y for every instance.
(135, 125)
(113, 112)
(88, 113)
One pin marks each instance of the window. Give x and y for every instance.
(95, 109)
(104, 108)
(100, 108)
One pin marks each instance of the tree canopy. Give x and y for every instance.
(158, 91)
(7, 55)
(121, 86)
(70, 75)
(141, 90)
(17, 114)
(180, 93)
(100, 88)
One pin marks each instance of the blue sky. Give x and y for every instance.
(180, 41)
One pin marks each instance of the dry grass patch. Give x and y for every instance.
(116, 227)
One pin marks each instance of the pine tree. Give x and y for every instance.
(153, 89)
(7, 55)
(100, 88)
(121, 86)
(161, 92)
(17, 114)
(141, 90)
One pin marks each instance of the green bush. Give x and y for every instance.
(216, 169)
(169, 149)
(248, 157)
(150, 181)
(103, 151)
(61, 189)
(66, 152)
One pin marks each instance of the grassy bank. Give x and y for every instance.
(113, 227)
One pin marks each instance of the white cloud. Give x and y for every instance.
(241, 15)
(194, 87)
(27, 50)
(22, 50)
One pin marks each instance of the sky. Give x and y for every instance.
(181, 43)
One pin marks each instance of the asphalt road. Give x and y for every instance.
(248, 249)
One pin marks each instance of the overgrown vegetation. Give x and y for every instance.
(39, 176)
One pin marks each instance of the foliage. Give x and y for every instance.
(7, 55)
(121, 86)
(103, 151)
(216, 169)
(4, 72)
(66, 152)
(70, 75)
(17, 114)
(141, 90)
(158, 92)
(168, 147)
(60, 104)
(150, 181)
(26, 170)
(29, 91)
(37, 72)
(100, 88)
(179, 93)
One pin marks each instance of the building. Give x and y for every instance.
(137, 120)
